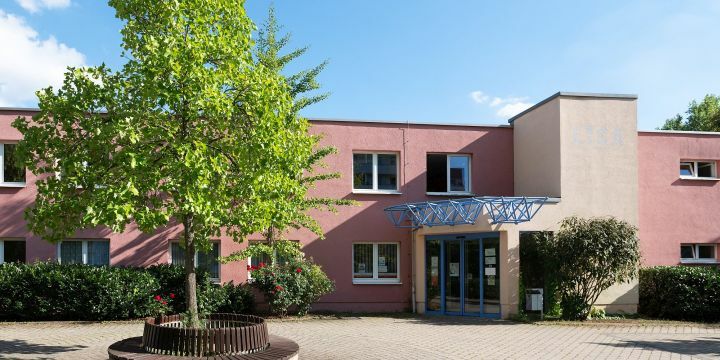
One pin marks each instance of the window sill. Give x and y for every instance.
(700, 261)
(376, 192)
(699, 178)
(432, 193)
(13, 185)
(377, 282)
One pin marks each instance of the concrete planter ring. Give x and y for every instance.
(226, 336)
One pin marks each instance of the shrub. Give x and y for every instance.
(50, 291)
(297, 283)
(588, 256)
(680, 293)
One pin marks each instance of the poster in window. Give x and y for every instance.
(490, 271)
(434, 266)
(455, 269)
(382, 268)
(490, 260)
(491, 280)
(381, 261)
(361, 267)
(490, 252)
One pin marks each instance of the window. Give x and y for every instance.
(376, 263)
(208, 261)
(10, 172)
(448, 173)
(697, 253)
(12, 251)
(698, 169)
(375, 172)
(89, 252)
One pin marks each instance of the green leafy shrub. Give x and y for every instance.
(680, 293)
(50, 291)
(297, 283)
(587, 256)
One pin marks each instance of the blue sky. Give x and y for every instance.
(437, 61)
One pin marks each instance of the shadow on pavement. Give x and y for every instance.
(704, 346)
(8, 348)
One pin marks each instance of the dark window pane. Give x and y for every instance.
(432, 275)
(387, 261)
(13, 172)
(459, 173)
(14, 251)
(387, 171)
(98, 253)
(437, 173)
(209, 261)
(706, 252)
(362, 261)
(705, 169)
(686, 169)
(177, 254)
(686, 252)
(362, 171)
(71, 252)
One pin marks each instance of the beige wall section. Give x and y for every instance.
(582, 149)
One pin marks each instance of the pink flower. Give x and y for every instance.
(164, 302)
(158, 298)
(298, 270)
(249, 268)
(278, 288)
(172, 296)
(261, 265)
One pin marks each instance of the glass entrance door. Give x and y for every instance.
(462, 274)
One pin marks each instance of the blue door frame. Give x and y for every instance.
(462, 238)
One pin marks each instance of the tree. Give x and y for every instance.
(292, 212)
(587, 256)
(191, 131)
(703, 116)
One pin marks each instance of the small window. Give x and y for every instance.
(375, 172)
(376, 263)
(12, 251)
(89, 252)
(448, 173)
(697, 253)
(208, 261)
(10, 172)
(698, 169)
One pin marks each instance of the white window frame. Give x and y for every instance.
(2, 248)
(220, 268)
(375, 189)
(447, 174)
(375, 279)
(696, 251)
(694, 167)
(2, 168)
(84, 250)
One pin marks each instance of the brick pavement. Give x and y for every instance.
(400, 338)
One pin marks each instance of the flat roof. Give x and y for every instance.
(680, 132)
(573, 94)
(408, 122)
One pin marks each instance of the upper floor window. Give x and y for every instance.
(698, 169)
(88, 252)
(12, 250)
(697, 253)
(10, 172)
(448, 173)
(208, 261)
(375, 172)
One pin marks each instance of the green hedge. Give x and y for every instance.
(680, 293)
(49, 291)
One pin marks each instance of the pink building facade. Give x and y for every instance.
(581, 151)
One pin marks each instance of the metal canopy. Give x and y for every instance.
(500, 209)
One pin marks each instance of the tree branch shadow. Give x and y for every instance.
(11, 348)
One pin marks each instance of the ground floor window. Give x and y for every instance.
(88, 252)
(699, 253)
(12, 250)
(208, 261)
(376, 263)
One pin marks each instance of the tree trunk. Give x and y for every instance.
(193, 320)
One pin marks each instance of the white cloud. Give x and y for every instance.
(30, 63)
(511, 105)
(512, 109)
(35, 5)
(479, 97)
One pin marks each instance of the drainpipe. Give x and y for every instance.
(412, 254)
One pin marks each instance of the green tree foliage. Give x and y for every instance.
(587, 257)
(190, 131)
(702, 116)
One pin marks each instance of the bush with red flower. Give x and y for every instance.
(296, 283)
(160, 305)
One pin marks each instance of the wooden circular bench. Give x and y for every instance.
(131, 349)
